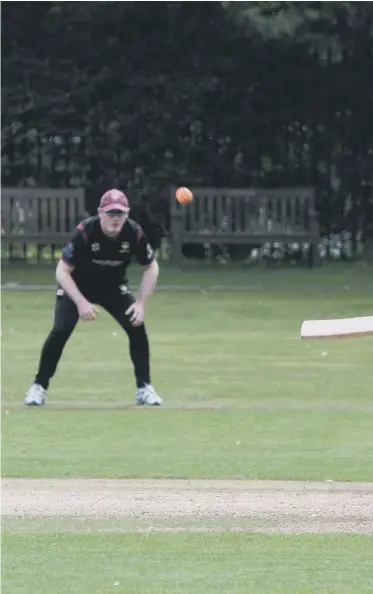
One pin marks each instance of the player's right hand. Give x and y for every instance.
(87, 311)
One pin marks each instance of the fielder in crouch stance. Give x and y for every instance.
(92, 270)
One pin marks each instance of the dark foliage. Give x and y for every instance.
(144, 95)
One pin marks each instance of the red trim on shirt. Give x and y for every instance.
(81, 228)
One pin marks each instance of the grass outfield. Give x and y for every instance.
(187, 564)
(245, 399)
(339, 276)
(231, 368)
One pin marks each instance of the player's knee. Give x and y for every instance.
(138, 333)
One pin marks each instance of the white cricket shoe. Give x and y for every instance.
(147, 396)
(36, 396)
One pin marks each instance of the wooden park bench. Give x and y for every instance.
(245, 217)
(39, 217)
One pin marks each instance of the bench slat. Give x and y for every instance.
(245, 216)
(41, 216)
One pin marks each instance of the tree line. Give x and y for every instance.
(145, 95)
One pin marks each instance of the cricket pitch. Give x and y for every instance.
(187, 506)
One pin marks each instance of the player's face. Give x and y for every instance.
(112, 221)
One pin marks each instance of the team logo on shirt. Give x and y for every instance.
(124, 248)
(95, 247)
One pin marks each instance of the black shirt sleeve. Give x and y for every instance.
(75, 249)
(144, 251)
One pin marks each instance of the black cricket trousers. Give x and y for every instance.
(65, 319)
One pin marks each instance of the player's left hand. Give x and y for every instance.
(136, 313)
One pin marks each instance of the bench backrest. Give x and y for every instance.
(246, 211)
(39, 211)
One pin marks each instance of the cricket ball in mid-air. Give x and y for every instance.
(184, 196)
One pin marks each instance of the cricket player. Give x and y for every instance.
(92, 271)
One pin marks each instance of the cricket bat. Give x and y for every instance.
(337, 328)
